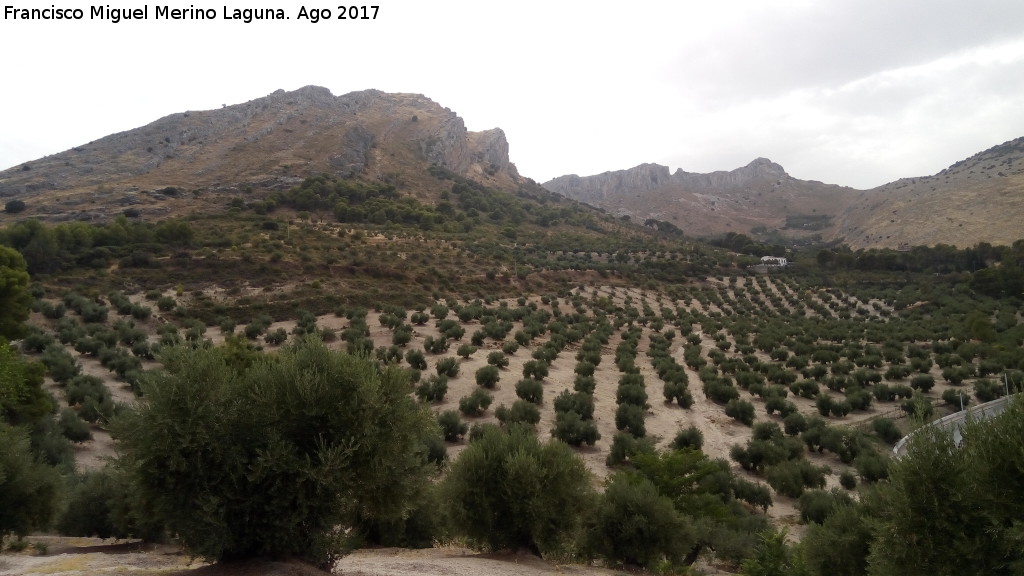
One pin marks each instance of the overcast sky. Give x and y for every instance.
(850, 92)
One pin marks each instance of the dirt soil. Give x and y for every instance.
(90, 556)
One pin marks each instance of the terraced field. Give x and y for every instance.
(767, 343)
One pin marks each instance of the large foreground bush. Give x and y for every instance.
(635, 524)
(508, 491)
(950, 510)
(242, 454)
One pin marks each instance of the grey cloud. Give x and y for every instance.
(838, 42)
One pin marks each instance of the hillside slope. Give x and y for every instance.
(980, 199)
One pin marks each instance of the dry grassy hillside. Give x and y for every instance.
(980, 199)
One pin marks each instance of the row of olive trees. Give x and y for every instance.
(310, 452)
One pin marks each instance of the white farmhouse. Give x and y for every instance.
(777, 261)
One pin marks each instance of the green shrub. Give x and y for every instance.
(435, 345)
(631, 394)
(508, 491)
(61, 366)
(817, 505)
(922, 382)
(84, 386)
(521, 412)
(886, 430)
(986, 390)
(690, 438)
(388, 354)
(625, 447)
(105, 504)
(630, 418)
(166, 303)
(530, 390)
(918, 406)
(497, 359)
(447, 367)
(741, 410)
(824, 404)
(794, 424)
(841, 408)
(752, 493)
(304, 460)
(535, 369)
(14, 206)
(805, 388)
(72, 427)
(956, 398)
(789, 478)
(277, 337)
(634, 524)
(584, 369)
(433, 390)
(488, 376)
(402, 335)
(578, 402)
(584, 384)
(572, 429)
(476, 403)
(766, 431)
(872, 466)
(416, 359)
(253, 331)
(452, 426)
(721, 391)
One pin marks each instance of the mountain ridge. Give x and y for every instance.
(273, 142)
(759, 195)
(962, 205)
(270, 142)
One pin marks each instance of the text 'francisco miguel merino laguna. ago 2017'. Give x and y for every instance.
(245, 15)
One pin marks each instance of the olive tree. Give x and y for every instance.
(282, 455)
(508, 490)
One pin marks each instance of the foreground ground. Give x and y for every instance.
(89, 556)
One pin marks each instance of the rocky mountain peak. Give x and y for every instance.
(765, 165)
(268, 142)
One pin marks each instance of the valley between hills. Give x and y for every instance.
(626, 318)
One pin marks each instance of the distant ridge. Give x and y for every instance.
(979, 199)
(758, 195)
